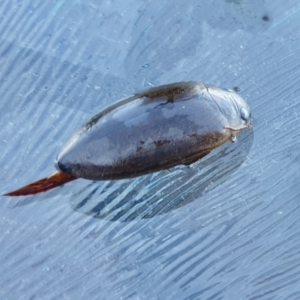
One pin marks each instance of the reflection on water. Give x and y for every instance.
(158, 193)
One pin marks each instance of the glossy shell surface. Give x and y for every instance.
(154, 130)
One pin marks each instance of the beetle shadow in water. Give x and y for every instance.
(158, 193)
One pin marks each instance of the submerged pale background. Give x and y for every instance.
(222, 229)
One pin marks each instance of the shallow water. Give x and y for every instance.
(225, 228)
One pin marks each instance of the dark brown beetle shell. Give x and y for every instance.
(154, 130)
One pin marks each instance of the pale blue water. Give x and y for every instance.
(227, 227)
